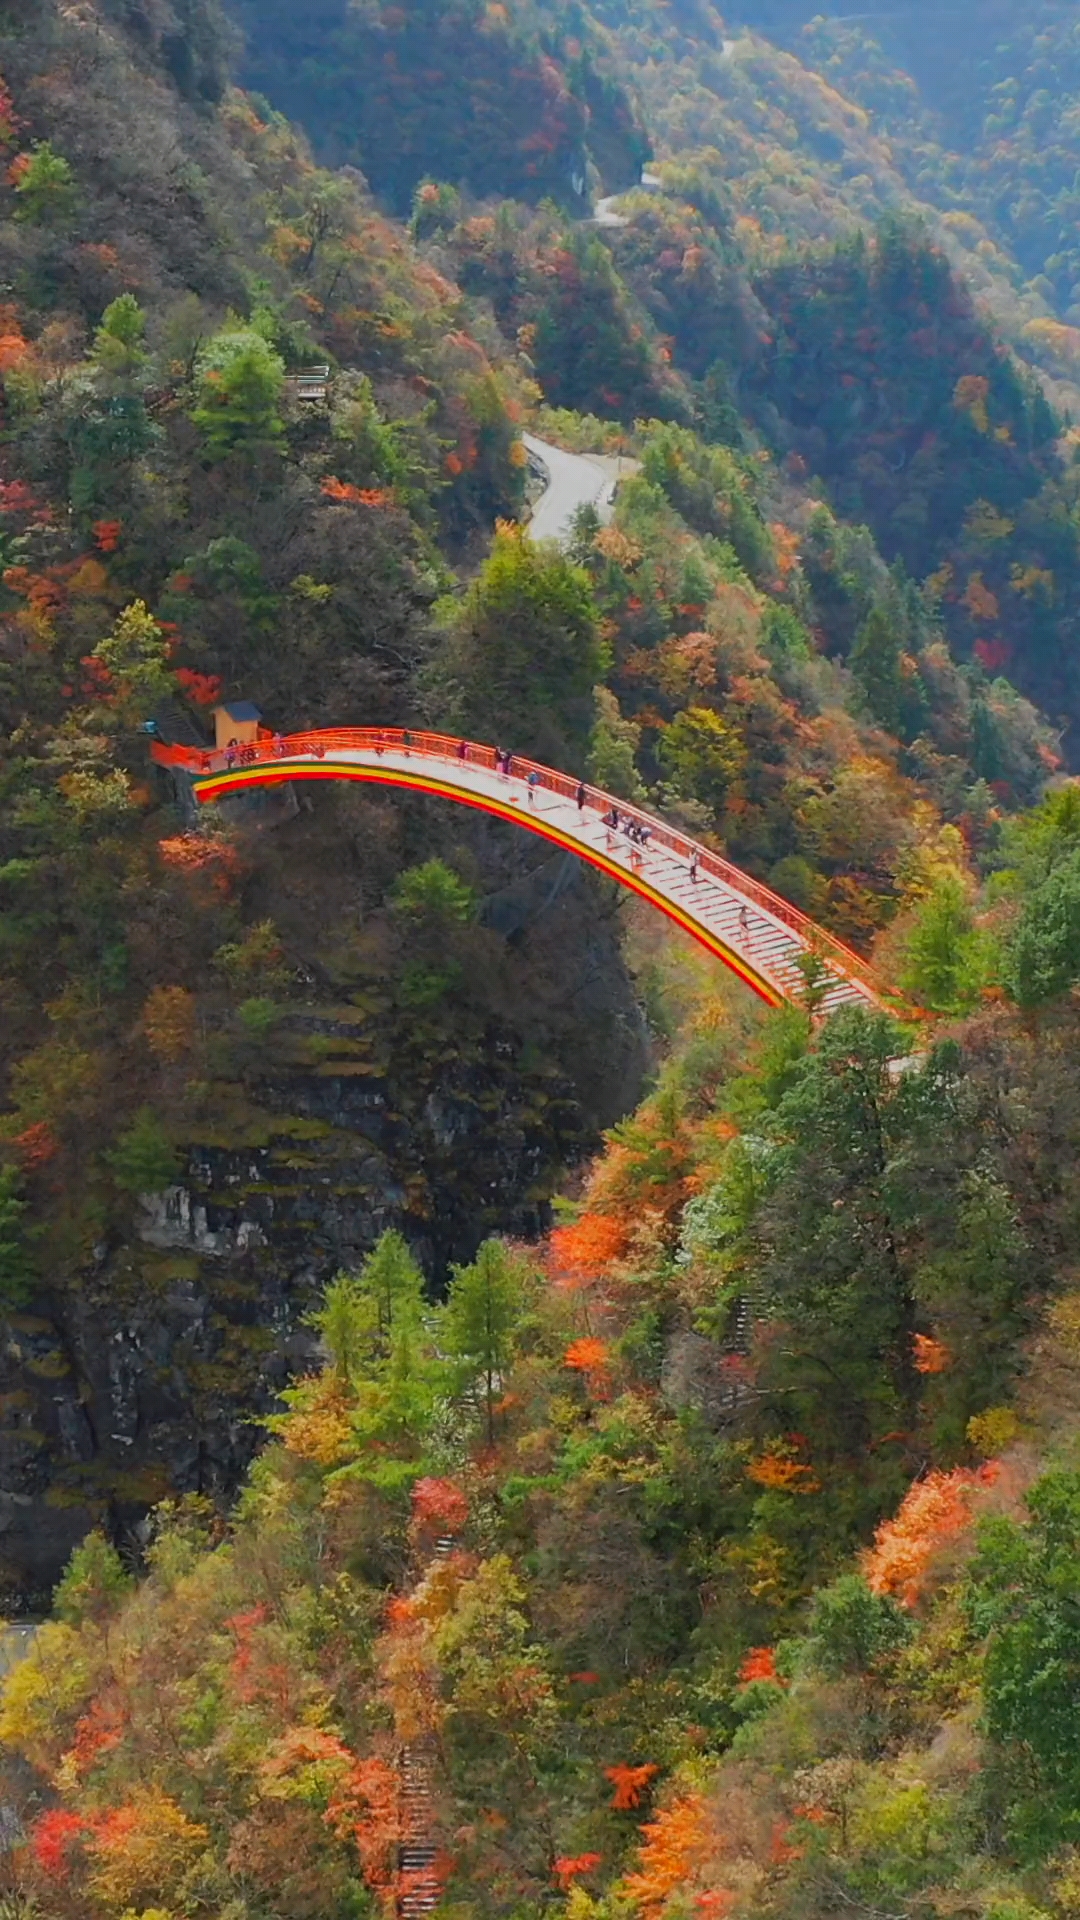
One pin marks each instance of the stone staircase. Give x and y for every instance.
(419, 1883)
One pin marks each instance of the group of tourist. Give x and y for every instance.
(636, 831)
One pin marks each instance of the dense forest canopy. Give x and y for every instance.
(488, 1418)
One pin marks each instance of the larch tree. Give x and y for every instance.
(482, 1312)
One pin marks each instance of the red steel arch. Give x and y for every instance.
(760, 936)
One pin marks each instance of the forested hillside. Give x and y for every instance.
(230, 1008)
(450, 1333)
(515, 103)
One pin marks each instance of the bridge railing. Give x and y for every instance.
(450, 747)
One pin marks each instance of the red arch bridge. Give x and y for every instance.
(761, 937)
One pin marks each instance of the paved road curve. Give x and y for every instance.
(574, 481)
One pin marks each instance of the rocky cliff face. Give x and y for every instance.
(143, 1371)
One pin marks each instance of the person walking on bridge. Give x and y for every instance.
(580, 796)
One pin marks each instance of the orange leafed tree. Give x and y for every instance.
(35, 1146)
(587, 1355)
(203, 856)
(335, 489)
(759, 1664)
(630, 1784)
(934, 1511)
(586, 1248)
(930, 1355)
(780, 1468)
(592, 1358)
(673, 1848)
(13, 349)
(97, 1732)
(367, 1806)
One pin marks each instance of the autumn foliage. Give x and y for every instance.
(367, 1806)
(169, 1018)
(439, 1505)
(759, 1664)
(931, 1356)
(591, 1357)
(934, 1512)
(53, 1836)
(202, 688)
(674, 1844)
(586, 1248)
(343, 490)
(208, 857)
(570, 1867)
(630, 1784)
(780, 1468)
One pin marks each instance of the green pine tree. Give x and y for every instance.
(482, 1311)
(143, 1160)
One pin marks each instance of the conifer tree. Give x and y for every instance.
(875, 662)
(482, 1312)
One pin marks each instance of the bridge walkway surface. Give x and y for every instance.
(762, 938)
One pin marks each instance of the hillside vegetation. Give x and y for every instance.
(441, 1314)
(701, 1643)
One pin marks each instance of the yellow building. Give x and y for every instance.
(237, 721)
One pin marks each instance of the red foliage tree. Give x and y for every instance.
(53, 1839)
(569, 1867)
(202, 688)
(630, 1784)
(367, 1807)
(439, 1506)
(35, 1146)
(759, 1664)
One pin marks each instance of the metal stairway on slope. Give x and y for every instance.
(419, 1882)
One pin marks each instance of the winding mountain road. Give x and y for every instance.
(574, 480)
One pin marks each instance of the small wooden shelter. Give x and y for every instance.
(236, 721)
(310, 383)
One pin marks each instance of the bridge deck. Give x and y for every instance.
(755, 932)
